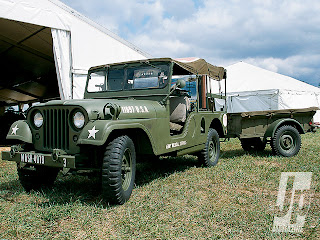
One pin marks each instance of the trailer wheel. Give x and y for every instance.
(118, 170)
(209, 156)
(37, 178)
(286, 141)
(252, 144)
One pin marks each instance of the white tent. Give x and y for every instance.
(250, 88)
(45, 41)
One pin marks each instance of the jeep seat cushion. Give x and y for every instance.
(178, 109)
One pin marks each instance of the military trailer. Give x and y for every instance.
(280, 128)
(134, 110)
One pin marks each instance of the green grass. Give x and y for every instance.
(173, 199)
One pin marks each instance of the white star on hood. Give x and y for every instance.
(14, 130)
(92, 132)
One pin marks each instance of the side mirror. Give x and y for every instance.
(181, 83)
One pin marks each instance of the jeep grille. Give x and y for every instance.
(56, 129)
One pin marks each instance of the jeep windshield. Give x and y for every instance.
(129, 77)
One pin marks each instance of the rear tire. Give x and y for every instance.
(118, 170)
(40, 177)
(252, 144)
(209, 156)
(286, 141)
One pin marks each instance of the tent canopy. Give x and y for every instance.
(242, 76)
(46, 49)
(27, 63)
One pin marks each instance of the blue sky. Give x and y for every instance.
(279, 35)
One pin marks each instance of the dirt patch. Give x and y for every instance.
(4, 149)
(2, 163)
(267, 163)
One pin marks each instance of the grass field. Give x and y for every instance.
(173, 199)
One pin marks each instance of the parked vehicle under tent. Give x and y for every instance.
(46, 49)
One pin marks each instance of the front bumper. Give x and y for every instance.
(43, 159)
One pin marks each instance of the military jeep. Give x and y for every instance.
(130, 110)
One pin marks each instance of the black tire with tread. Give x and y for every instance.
(40, 177)
(209, 156)
(286, 141)
(117, 177)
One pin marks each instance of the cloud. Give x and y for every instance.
(303, 67)
(174, 46)
(280, 35)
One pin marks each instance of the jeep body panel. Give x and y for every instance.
(21, 131)
(157, 130)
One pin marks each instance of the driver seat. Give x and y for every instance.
(179, 107)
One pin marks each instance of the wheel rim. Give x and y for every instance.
(287, 142)
(126, 169)
(212, 150)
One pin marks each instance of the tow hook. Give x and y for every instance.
(56, 153)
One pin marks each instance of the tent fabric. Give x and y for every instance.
(27, 63)
(250, 88)
(89, 43)
(42, 13)
(62, 55)
(242, 77)
(79, 84)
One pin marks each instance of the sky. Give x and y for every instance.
(278, 35)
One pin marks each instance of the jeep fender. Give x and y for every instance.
(20, 130)
(276, 124)
(97, 132)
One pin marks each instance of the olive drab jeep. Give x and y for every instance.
(130, 110)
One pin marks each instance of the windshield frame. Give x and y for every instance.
(164, 74)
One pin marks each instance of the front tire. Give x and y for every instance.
(209, 156)
(118, 170)
(286, 141)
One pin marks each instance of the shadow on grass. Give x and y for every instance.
(13, 185)
(239, 153)
(9, 189)
(71, 188)
(147, 171)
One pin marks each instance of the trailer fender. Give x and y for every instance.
(20, 130)
(280, 122)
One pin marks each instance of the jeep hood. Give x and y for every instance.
(130, 108)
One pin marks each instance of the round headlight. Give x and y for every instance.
(78, 120)
(38, 119)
